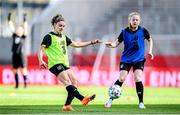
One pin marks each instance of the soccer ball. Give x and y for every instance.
(114, 91)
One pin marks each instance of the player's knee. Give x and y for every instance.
(123, 75)
(75, 83)
(24, 71)
(67, 83)
(16, 71)
(122, 79)
(137, 78)
(138, 75)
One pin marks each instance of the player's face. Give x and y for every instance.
(59, 26)
(135, 21)
(20, 31)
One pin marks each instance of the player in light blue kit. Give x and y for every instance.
(133, 55)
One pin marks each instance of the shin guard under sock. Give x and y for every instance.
(140, 90)
(73, 90)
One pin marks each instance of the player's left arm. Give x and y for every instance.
(25, 25)
(150, 48)
(150, 41)
(10, 22)
(84, 44)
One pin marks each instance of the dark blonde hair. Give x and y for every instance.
(57, 18)
(131, 15)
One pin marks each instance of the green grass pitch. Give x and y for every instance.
(50, 99)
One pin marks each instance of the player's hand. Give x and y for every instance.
(151, 55)
(43, 65)
(96, 41)
(108, 44)
(9, 16)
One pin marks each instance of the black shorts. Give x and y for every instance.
(18, 60)
(58, 68)
(127, 66)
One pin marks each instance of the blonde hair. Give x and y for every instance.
(131, 15)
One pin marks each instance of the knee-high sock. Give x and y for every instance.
(25, 80)
(118, 83)
(16, 80)
(140, 90)
(69, 99)
(73, 90)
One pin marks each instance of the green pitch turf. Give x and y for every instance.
(50, 99)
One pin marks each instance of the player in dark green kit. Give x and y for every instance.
(54, 45)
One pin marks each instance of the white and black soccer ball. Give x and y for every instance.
(114, 91)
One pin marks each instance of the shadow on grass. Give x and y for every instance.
(91, 109)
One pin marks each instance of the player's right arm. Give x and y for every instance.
(11, 24)
(45, 44)
(113, 44)
(41, 52)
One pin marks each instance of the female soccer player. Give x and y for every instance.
(54, 45)
(18, 58)
(133, 55)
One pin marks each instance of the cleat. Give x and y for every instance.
(108, 103)
(141, 105)
(87, 99)
(67, 108)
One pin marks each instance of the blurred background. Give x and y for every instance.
(88, 20)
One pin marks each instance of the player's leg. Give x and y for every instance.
(24, 69)
(24, 73)
(138, 72)
(59, 70)
(122, 77)
(139, 87)
(124, 69)
(74, 82)
(15, 64)
(62, 74)
(63, 77)
(16, 77)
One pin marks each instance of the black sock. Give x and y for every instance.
(73, 90)
(25, 80)
(16, 80)
(118, 83)
(140, 90)
(69, 99)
